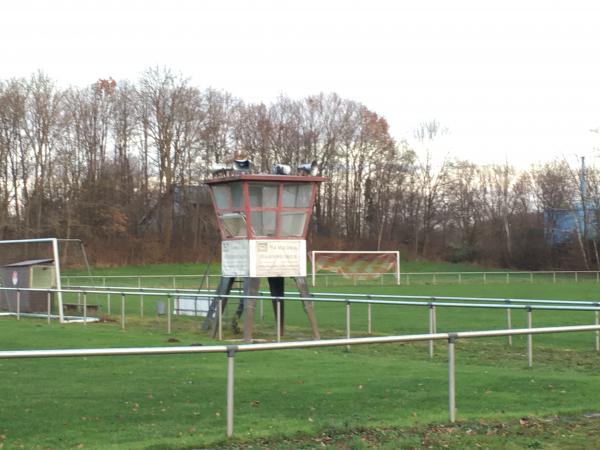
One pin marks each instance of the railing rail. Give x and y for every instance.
(231, 350)
(348, 298)
(406, 278)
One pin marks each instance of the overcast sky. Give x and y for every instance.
(515, 81)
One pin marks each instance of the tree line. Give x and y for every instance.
(120, 165)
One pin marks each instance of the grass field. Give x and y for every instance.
(376, 396)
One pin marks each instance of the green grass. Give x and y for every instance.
(373, 396)
(414, 273)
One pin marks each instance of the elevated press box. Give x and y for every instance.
(35, 274)
(263, 221)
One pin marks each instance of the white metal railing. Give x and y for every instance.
(430, 302)
(209, 293)
(231, 350)
(358, 278)
(505, 277)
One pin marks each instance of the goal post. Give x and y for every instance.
(340, 261)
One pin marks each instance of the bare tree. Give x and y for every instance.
(172, 121)
(432, 176)
(464, 206)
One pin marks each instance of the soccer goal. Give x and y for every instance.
(36, 264)
(356, 264)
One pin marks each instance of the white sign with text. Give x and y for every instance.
(234, 258)
(264, 258)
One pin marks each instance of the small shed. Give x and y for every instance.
(36, 274)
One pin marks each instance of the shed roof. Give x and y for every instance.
(31, 262)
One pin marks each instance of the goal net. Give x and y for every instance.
(357, 265)
(37, 264)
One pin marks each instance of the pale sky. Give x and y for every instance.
(515, 81)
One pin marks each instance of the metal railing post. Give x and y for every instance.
(262, 310)
(597, 322)
(509, 321)
(434, 320)
(507, 277)
(230, 388)
(347, 322)
(141, 298)
(169, 314)
(84, 308)
(554, 277)
(278, 319)
(459, 278)
(529, 338)
(122, 311)
(451, 380)
(369, 329)
(484, 278)
(108, 302)
(220, 318)
(49, 301)
(431, 327)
